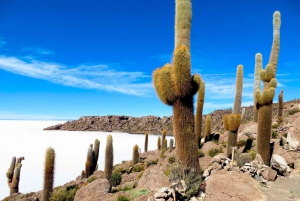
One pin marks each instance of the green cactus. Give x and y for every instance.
(231, 124)
(92, 158)
(207, 128)
(265, 98)
(95, 154)
(163, 137)
(243, 114)
(165, 144)
(158, 143)
(146, 142)
(171, 145)
(257, 83)
(135, 154)
(175, 86)
(49, 174)
(13, 174)
(109, 157)
(198, 117)
(280, 106)
(238, 90)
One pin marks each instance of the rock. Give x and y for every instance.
(210, 145)
(93, 191)
(292, 142)
(269, 174)
(153, 178)
(233, 186)
(205, 162)
(158, 195)
(280, 165)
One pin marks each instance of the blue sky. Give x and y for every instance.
(66, 59)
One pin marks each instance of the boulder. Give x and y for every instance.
(208, 146)
(233, 186)
(269, 174)
(280, 165)
(205, 162)
(153, 178)
(93, 191)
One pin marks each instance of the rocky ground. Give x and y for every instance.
(245, 178)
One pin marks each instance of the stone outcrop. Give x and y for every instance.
(127, 124)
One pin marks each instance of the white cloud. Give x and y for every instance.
(37, 50)
(101, 77)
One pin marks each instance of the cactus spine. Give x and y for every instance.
(257, 83)
(231, 124)
(175, 86)
(265, 99)
(146, 142)
(207, 128)
(198, 118)
(49, 174)
(280, 106)
(238, 90)
(109, 157)
(135, 154)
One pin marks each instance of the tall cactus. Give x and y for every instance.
(92, 158)
(238, 90)
(231, 124)
(158, 143)
(175, 86)
(13, 174)
(171, 146)
(109, 157)
(280, 106)
(49, 174)
(265, 98)
(207, 128)
(163, 137)
(135, 154)
(257, 83)
(146, 142)
(199, 110)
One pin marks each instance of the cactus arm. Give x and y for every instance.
(199, 111)
(109, 157)
(238, 90)
(49, 174)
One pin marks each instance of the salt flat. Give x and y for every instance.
(27, 138)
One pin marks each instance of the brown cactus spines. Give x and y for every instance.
(87, 169)
(163, 137)
(96, 154)
(109, 157)
(146, 142)
(207, 127)
(176, 86)
(199, 110)
(158, 143)
(165, 144)
(238, 90)
(135, 154)
(49, 174)
(280, 106)
(10, 171)
(257, 83)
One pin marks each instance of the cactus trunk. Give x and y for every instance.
(257, 83)
(198, 117)
(280, 106)
(49, 174)
(238, 90)
(146, 142)
(109, 157)
(232, 141)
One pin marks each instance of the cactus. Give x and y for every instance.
(165, 144)
(135, 154)
(95, 154)
(231, 124)
(92, 158)
(109, 157)
(158, 143)
(83, 175)
(280, 106)
(171, 145)
(146, 142)
(49, 174)
(198, 117)
(13, 174)
(175, 86)
(163, 137)
(238, 90)
(243, 114)
(265, 98)
(207, 128)
(257, 83)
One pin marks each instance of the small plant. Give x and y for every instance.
(293, 111)
(274, 134)
(252, 153)
(91, 179)
(212, 152)
(241, 143)
(123, 198)
(151, 162)
(275, 125)
(162, 155)
(172, 159)
(140, 175)
(135, 193)
(64, 194)
(138, 168)
(224, 144)
(285, 135)
(116, 178)
(200, 153)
